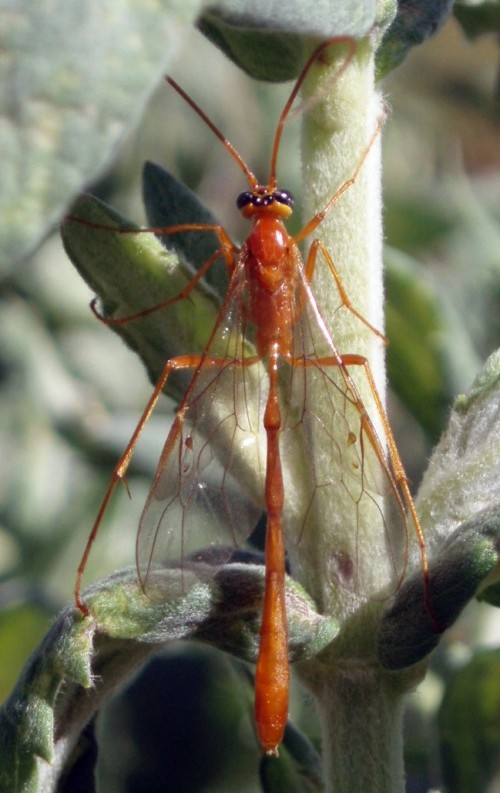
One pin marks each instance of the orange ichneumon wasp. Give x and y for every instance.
(272, 350)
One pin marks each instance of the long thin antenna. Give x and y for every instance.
(252, 180)
(298, 85)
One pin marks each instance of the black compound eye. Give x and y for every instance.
(244, 199)
(261, 198)
(284, 197)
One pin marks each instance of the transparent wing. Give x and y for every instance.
(207, 491)
(339, 477)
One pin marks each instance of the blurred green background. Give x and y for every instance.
(71, 394)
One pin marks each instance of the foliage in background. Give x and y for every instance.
(70, 393)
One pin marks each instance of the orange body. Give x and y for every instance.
(270, 256)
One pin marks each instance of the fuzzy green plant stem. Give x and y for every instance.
(362, 732)
(337, 132)
(360, 706)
